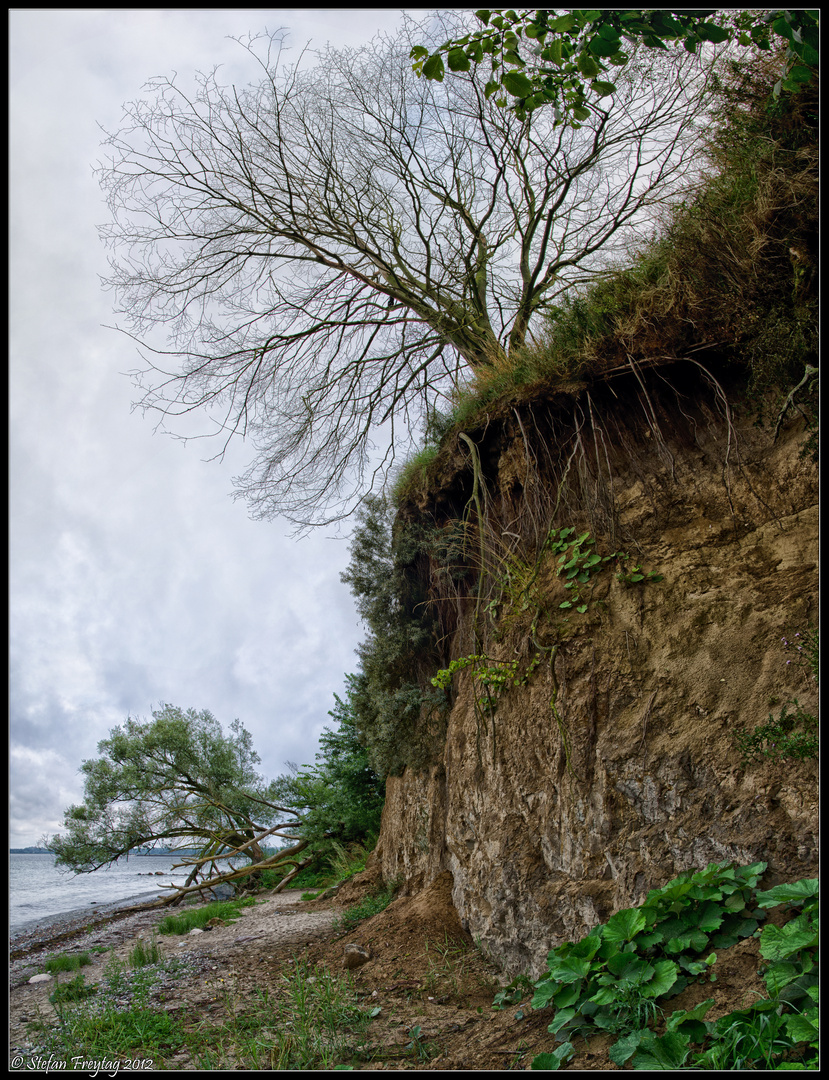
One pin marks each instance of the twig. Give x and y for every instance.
(810, 372)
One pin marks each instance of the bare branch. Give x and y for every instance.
(327, 249)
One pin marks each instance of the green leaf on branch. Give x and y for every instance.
(517, 84)
(457, 60)
(433, 68)
(603, 89)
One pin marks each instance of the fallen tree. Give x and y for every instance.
(179, 781)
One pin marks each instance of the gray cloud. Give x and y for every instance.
(135, 579)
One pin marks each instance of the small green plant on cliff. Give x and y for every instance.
(494, 676)
(578, 564)
(634, 574)
(793, 736)
(805, 649)
(790, 735)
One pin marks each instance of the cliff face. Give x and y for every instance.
(551, 819)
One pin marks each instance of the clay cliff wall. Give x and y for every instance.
(551, 818)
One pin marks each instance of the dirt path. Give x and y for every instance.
(276, 925)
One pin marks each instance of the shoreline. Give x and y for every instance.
(106, 907)
(40, 934)
(49, 930)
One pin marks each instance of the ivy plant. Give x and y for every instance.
(612, 978)
(778, 1032)
(577, 562)
(616, 977)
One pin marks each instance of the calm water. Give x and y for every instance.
(37, 890)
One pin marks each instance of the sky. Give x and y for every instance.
(135, 579)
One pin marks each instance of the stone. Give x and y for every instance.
(355, 956)
(196, 930)
(40, 978)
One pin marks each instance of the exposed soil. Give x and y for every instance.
(424, 972)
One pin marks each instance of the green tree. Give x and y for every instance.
(340, 797)
(550, 57)
(394, 708)
(179, 781)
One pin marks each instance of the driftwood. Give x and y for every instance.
(244, 871)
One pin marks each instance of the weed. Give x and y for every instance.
(423, 1050)
(67, 962)
(142, 954)
(312, 1021)
(196, 918)
(611, 979)
(371, 905)
(513, 993)
(74, 990)
(793, 736)
(805, 648)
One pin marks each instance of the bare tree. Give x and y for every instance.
(331, 249)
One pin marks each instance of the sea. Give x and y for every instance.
(39, 891)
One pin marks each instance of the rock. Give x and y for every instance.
(196, 930)
(224, 891)
(40, 978)
(355, 956)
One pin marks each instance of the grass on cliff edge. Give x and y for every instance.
(732, 268)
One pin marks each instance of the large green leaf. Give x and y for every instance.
(457, 60)
(712, 32)
(625, 924)
(779, 975)
(587, 65)
(600, 46)
(554, 1060)
(792, 893)
(567, 996)
(801, 1029)
(566, 969)
(710, 917)
(665, 975)
(603, 89)
(433, 68)
(667, 1052)
(626, 1047)
(776, 943)
(517, 84)
(562, 1017)
(544, 994)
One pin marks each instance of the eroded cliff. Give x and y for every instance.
(615, 766)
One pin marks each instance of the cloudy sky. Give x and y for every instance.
(135, 579)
